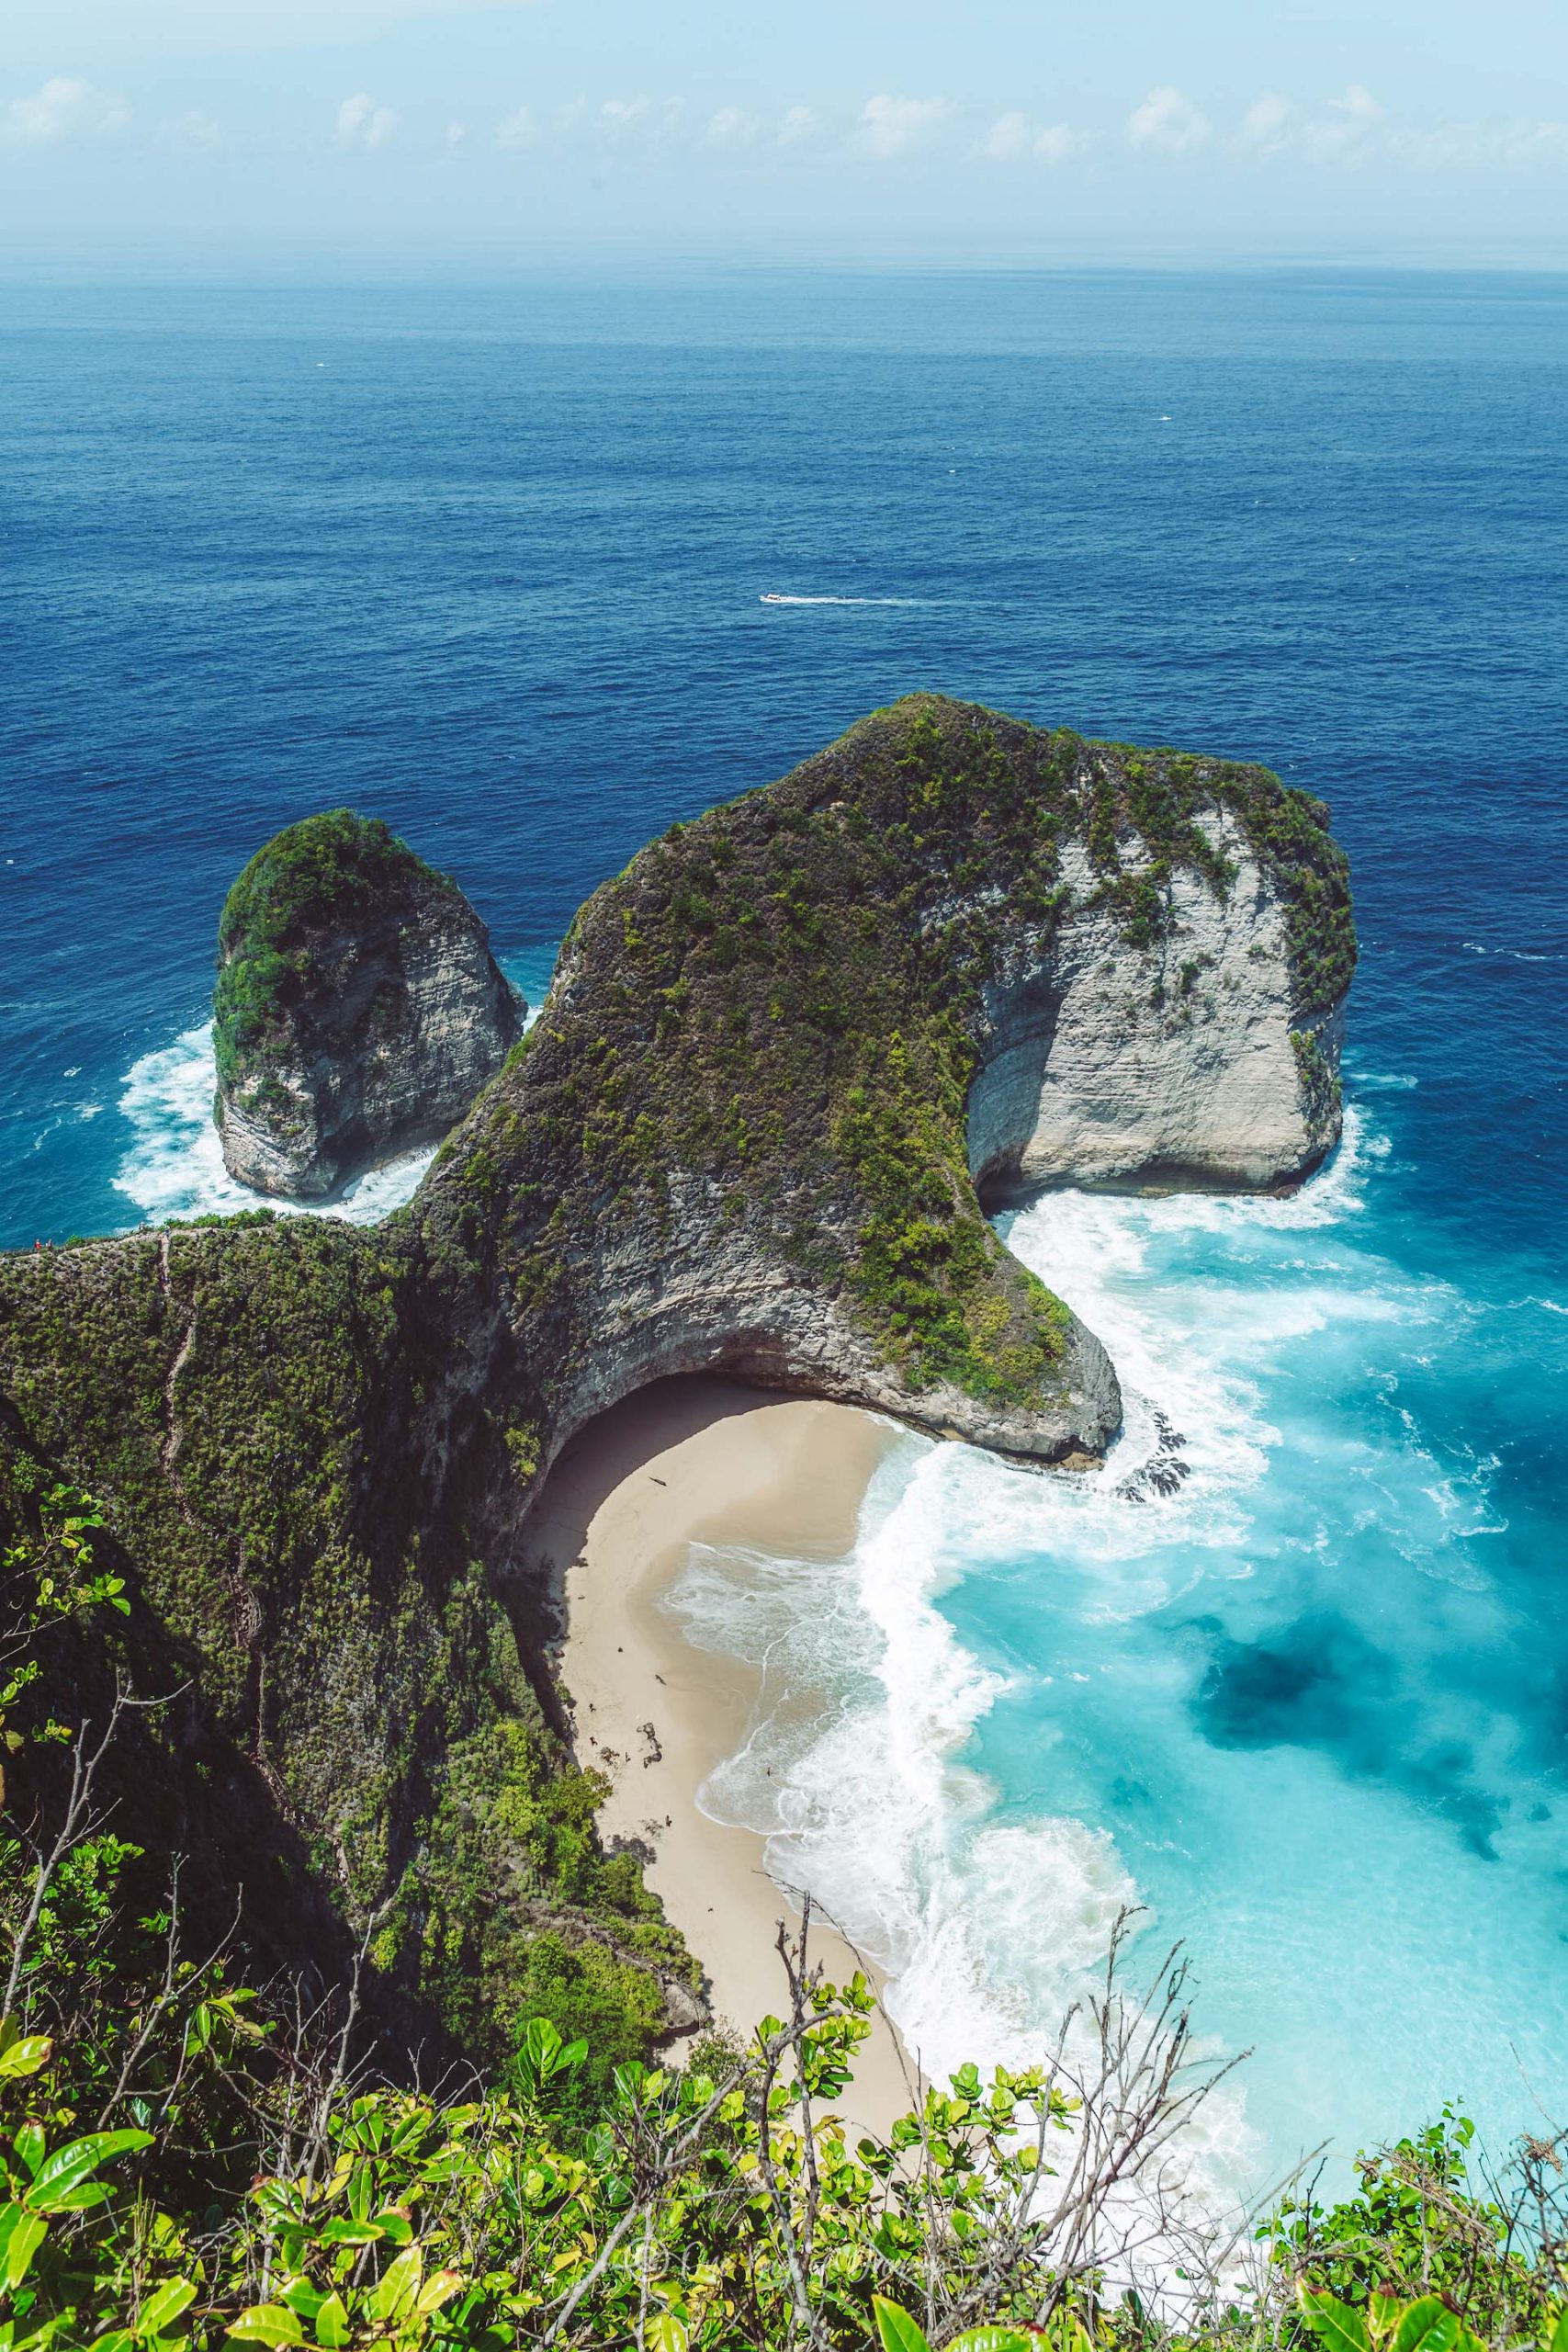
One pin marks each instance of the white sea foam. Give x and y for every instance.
(859, 1768)
(988, 1930)
(175, 1166)
(908, 1697)
(843, 600)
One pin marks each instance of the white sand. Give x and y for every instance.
(689, 1461)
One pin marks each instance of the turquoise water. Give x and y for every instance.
(1305, 1709)
(487, 563)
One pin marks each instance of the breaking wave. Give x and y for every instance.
(1208, 1677)
(175, 1165)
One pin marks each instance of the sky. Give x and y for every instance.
(409, 135)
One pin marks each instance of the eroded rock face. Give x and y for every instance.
(787, 1045)
(1191, 1060)
(744, 1135)
(358, 1008)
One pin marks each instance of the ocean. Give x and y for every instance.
(487, 563)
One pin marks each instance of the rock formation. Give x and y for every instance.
(779, 1047)
(1192, 1058)
(745, 1135)
(358, 1008)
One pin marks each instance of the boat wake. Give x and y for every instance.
(840, 600)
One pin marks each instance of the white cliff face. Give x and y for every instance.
(740, 1141)
(1182, 1062)
(404, 1021)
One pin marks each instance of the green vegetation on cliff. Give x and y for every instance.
(358, 1735)
(736, 1140)
(187, 2163)
(783, 1002)
(825, 1051)
(322, 871)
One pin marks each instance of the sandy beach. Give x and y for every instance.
(690, 1461)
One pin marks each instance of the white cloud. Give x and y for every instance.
(517, 130)
(1057, 142)
(1356, 129)
(801, 127)
(1476, 146)
(361, 123)
(1359, 104)
(1533, 142)
(194, 129)
(889, 125)
(1167, 121)
(1008, 138)
(1012, 138)
(455, 133)
(649, 118)
(64, 109)
(1263, 128)
(619, 114)
(1348, 131)
(733, 127)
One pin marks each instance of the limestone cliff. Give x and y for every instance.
(358, 1008)
(779, 1047)
(744, 1135)
(1192, 1057)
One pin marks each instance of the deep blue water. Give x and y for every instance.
(488, 564)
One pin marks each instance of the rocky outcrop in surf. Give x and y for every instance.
(358, 1008)
(784, 1055)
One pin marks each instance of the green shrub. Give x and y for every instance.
(184, 2165)
(324, 869)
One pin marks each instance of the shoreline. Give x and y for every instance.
(688, 1461)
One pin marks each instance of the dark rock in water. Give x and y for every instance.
(1164, 1472)
(358, 1008)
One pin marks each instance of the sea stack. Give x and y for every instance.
(358, 1008)
(792, 1056)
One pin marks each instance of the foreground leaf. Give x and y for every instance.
(161, 2310)
(21, 2234)
(24, 2057)
(898, 2332)
(60, 2174)
(1336, 2325)
(1425, 2325)
(268, 2323)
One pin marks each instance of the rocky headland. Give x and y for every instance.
(789, 1057)
(358, 1008)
